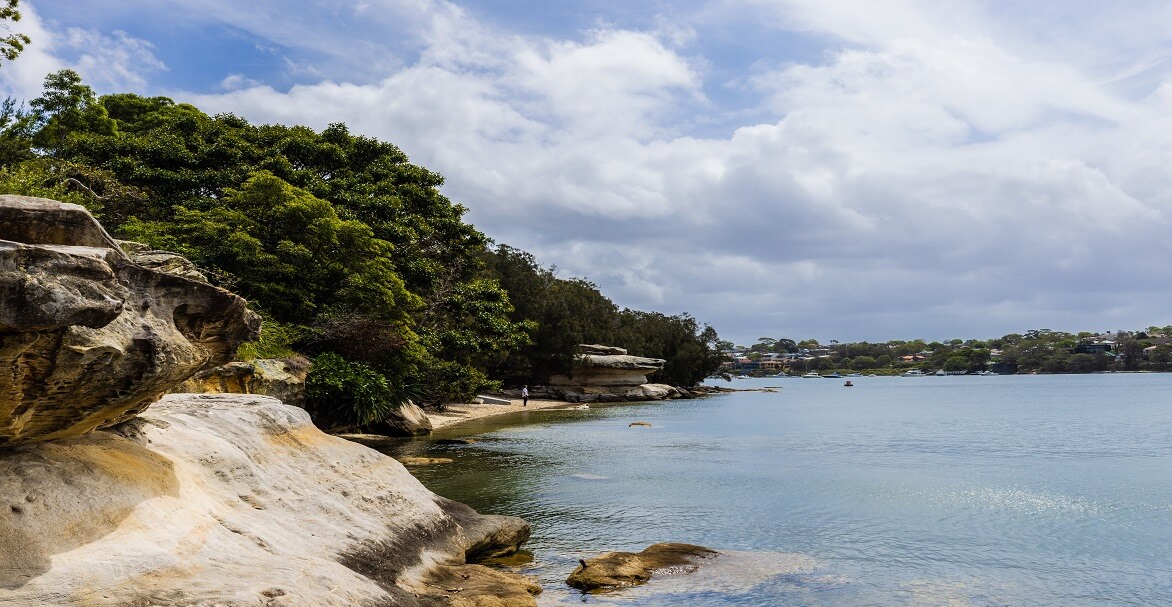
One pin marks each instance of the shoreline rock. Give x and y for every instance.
(237, 500)
(615, 570)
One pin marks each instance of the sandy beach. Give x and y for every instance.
(461, 412)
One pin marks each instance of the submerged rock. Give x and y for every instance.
(88, 338)
(237, 500)
(621, 569)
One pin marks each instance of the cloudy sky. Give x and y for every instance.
(836, 169)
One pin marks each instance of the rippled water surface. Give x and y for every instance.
(965, 491)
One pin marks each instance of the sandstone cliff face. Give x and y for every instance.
(88, 338)
(236, 500)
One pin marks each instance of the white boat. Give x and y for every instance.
(812, 375)
(744, 377)
(984, 373)
(913, 373)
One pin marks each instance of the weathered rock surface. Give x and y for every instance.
(280, 378)
(241, 501)
(407, 420)
(609, 374)
(88, 337)
(621, 569)
(608, 370)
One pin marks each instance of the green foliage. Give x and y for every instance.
(442, 381)
(277, 340)
(568, 312)
(67, 107)
(287, 250)
(42, 179)
(340, 393)
(12, 44)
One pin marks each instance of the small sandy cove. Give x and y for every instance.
(461, 412)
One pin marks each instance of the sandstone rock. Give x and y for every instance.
(408, 420)
(620, 569)
(280, 378)
(608, 371)
(650, 392)
(168, 263)
(374, 441)
(415, 460)
(609, 374)
(600, 349)
(480, 586)
(236, 500)
(89, 337)
(486, 536)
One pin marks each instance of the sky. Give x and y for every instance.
(833, 169)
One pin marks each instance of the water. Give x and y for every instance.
(957, 491)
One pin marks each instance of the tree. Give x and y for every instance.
(12, 44)
(956, 362)
(67, 106)
(861, 363)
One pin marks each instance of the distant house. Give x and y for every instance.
(1101, 347)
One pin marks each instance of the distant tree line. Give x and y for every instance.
(349, 251)
(1035, 351)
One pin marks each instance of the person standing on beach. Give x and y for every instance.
(525, 395)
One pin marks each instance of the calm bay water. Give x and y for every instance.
(965, 491)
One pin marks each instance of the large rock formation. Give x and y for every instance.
(88, 338)
(241, 501)
(607, 373)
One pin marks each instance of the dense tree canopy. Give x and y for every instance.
(346, 247)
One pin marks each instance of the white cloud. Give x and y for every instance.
(936, 172)
(108, 62)
(117, 62)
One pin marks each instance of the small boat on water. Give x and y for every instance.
(913, 373)
(834, 375)
(812, 375)
(744, 377)
(985, 373)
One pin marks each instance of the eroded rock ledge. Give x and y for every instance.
(88, 338)
(237, 500)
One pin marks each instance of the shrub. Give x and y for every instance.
(344, 394)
